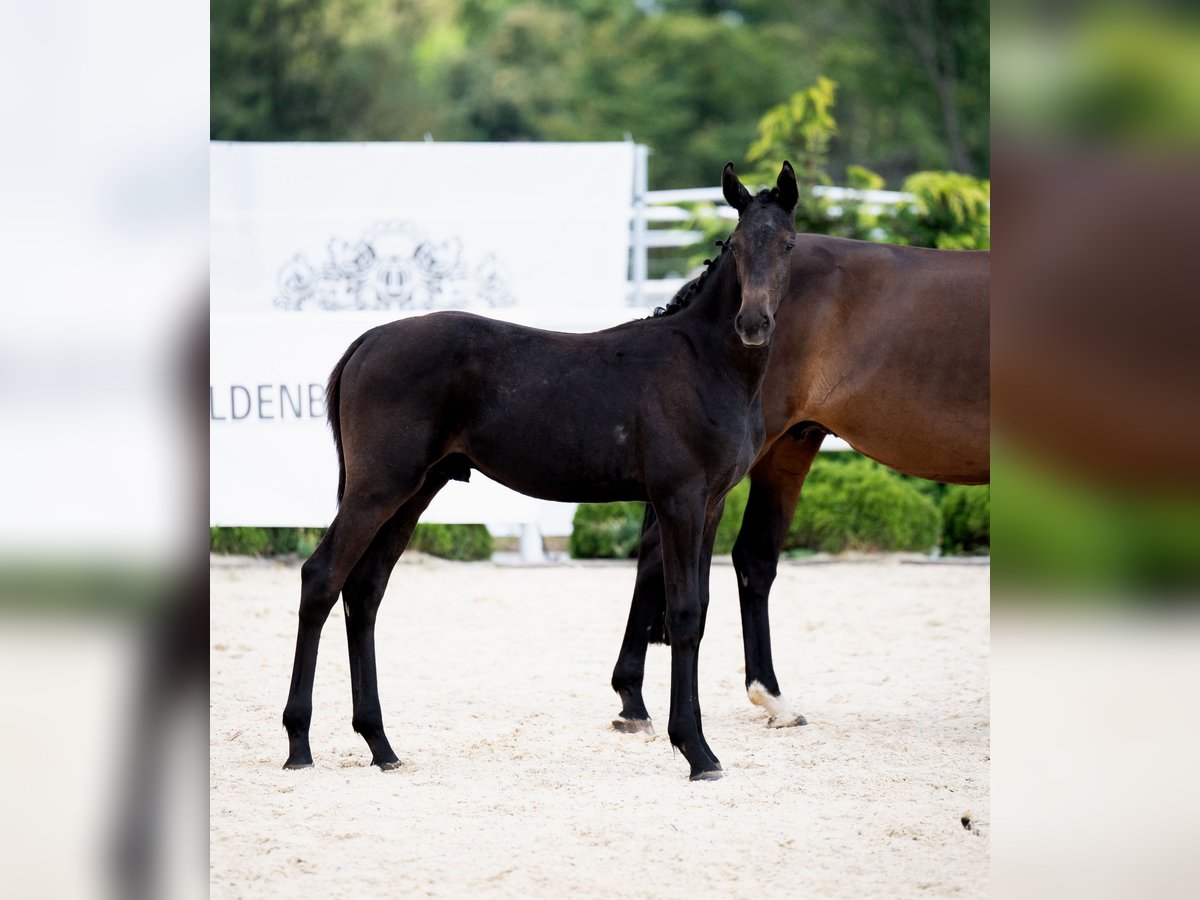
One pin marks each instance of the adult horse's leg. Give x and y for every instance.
(775, 483)
(682, 521)
(322, 576)
(646, 623)
(361, 596)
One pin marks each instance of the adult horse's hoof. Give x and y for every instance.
(298, 765)
(710, 775)
(633, 726)
(781, 715)
(788, 721)
(389, 766)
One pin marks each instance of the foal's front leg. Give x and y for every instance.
(706, 552)
(682, 521)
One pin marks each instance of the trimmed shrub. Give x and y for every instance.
(463, 542)
(301, 541)
(257, 541)
(307, 540)
(458, 542)
(859, 505)
(239, 541)
(966, 513)
(606, 530)
(611, 530)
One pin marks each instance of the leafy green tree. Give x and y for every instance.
(923, 85)
(688, 77)
(801, 127)
(949, 210)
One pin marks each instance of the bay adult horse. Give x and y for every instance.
(884, 346)
(667, 409)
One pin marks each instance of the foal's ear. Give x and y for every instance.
(735, 192)
(789, 194)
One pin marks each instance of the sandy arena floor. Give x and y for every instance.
(494, 683)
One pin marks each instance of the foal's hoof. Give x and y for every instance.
(390, 765)
(710, 775)
(788, 721)
(299, 764)
(633, 726)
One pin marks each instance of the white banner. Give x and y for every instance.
(312, 244)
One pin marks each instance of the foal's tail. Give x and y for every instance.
(333, 396)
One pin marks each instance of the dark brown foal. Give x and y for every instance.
(667, 409)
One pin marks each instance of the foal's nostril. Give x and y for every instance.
(752, 323)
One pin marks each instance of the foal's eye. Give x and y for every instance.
(791, 245)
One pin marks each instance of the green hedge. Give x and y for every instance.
(606, 530)
(967, 519)
(860, 505)
(611, 530)
(463, 542)
(849, 503)
(264, 541)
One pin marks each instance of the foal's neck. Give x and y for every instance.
(719, 295)
(713, 310)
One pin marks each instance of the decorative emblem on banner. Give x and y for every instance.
(393, 266)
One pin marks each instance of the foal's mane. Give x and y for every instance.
(688, 292)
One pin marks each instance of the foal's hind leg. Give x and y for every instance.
(362, 595)
(645, 624)
(322, 577)
(775, 483)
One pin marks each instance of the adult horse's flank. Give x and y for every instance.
(884, 346)
(667, 409)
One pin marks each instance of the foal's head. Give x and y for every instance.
(761, 244)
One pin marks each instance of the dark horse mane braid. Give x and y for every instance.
(685, 294)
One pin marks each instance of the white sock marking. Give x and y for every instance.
(777, 708)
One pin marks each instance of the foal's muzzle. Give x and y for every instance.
(754, 328)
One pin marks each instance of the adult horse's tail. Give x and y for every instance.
(333, 395)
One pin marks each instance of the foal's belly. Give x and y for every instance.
(597, 459)
(548, 459)
(563, 487)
